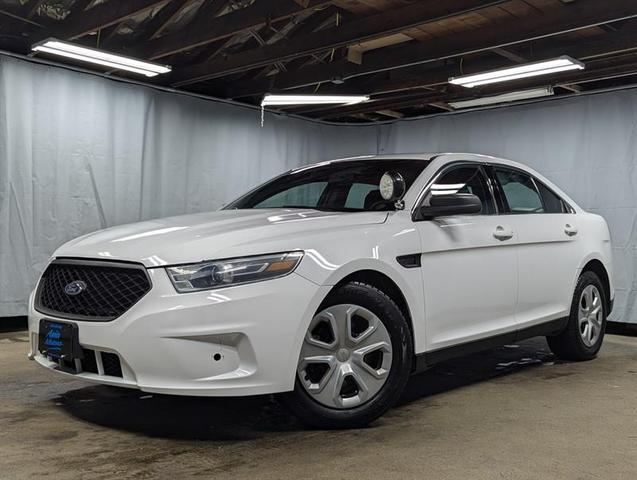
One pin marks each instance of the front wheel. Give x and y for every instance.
(355, 359)
(582, 338)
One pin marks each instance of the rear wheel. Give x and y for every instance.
(355, 359)
(582, 338)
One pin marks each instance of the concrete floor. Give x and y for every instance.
(510, 413)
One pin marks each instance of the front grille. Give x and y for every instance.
(109, 289)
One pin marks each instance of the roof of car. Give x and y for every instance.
(396, 156)
(424, 156)
(412, 156)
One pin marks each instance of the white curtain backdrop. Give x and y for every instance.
(79, 153)
(587, 145)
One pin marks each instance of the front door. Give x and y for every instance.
(469, 265)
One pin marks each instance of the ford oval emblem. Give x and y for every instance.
(75, 288)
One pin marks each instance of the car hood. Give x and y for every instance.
(205, 236)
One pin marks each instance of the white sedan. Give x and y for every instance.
(330, 285)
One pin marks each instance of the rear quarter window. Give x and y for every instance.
(552, 203)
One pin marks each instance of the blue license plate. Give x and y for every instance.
(58, 340)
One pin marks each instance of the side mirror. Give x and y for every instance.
(451, 204)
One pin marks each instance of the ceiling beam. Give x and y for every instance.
(373, 105)
(598, 70)
(162, 18)
(442, 106)
(510, 54)
(31, 7)
(591, 51)
(76, 13)
(579, 15)
(101, 16)
(417, 77)
(206, 30)
(572, 88)
(18, 15)
(399, 80)
(422, 99)
(598, 74)
(413, 78)
(148, 29)
(209, 51)
(391, 114)
(392, 21)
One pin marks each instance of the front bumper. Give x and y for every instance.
(243, 340)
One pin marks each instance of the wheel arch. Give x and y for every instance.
(597, 267)
(385, 284)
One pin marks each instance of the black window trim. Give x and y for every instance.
(497, 190)
(537, 189)
(442, 170)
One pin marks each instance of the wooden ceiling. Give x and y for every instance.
(400, 52)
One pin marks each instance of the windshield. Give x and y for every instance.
(345, 186)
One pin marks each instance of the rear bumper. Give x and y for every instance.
(242, 340)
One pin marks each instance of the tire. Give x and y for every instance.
(341, 402)
(576, 342)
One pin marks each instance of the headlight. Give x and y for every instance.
(235, 271)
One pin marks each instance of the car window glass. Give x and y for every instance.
(464, 179)
(552, 203)
(357, 194)
(344, 186)
(306, 195)
(519, 191)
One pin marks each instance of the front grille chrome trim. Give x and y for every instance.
(88, 263)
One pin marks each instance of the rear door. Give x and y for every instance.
(468, 264)
(547, 242)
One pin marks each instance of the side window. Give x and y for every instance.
(520, 191)
(464, 179)
(306, 195)
(552, 203)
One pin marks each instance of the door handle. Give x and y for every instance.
(502, 233)
(570, 230)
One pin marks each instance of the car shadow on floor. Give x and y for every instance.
(249, 418)
(482, 366)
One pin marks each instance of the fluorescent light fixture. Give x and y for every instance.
(271, 99)
(505, 97)
(534, 69)
(99, 57)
